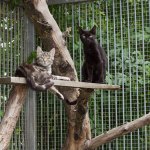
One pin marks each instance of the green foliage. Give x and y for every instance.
(1, 113)
(14, 3)
(31, 57)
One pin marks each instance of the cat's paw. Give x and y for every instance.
(66, 79)
(60, 96)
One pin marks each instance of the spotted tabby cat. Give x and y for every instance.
(45, 60)
(39, 74)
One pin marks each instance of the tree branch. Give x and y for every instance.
(52, 37)
(117, 132)
(12, 112)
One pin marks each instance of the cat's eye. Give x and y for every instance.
(83, 36)
(90, 36)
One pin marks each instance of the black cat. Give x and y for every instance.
(95, 60)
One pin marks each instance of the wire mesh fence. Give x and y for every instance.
(14, 50)
(123, 29)
(11, 55)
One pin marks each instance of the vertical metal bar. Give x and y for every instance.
(61, 118)
(0, 45)
(73, 32)
(108, 68)
(123, 98)
(130, 74)
(14, 33)
(18, 55)
(86, 16)
(102, 96)
(18, 37)
(81, 50)
(48, 116)
(15, 57)
(80, 44)
(0, 58)
(3, 50)
(54, 122)
(144, 92)
(12, 18)
(116, 102)
(61, 113)
(7, 44)
(41, 123)
(30, 105)
(21, 59)
(137, 94)
(102, 114)
(11, 45)
(149, 12)
(95, 119)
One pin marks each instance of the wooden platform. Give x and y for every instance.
(75, 84)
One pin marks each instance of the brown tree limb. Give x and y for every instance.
(82, 109)
(52, 37)
(12, 112)
(117, 132)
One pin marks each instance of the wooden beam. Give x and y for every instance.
(74, 84)
(52, 2)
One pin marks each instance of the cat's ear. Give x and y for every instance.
(52, 52)
(39, 51)
(93, 30)
(80, 30)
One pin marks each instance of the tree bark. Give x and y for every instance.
(52, 37)
(12, 112)
(117, 132)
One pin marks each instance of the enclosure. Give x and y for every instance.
(123, 29)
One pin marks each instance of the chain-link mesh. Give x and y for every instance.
(11, 55)
(123, 29)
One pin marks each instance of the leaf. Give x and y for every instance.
(31, 57)
(147, 29)
(1, 113)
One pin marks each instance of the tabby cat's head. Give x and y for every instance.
(87, 36)
(45, 59)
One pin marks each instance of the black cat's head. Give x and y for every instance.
(88, 36)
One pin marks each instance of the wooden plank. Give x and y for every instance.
(75, 84)
(52, 2)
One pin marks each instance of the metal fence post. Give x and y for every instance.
(30, 105)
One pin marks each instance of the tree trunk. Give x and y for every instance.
(12, 112)
(51, 36)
